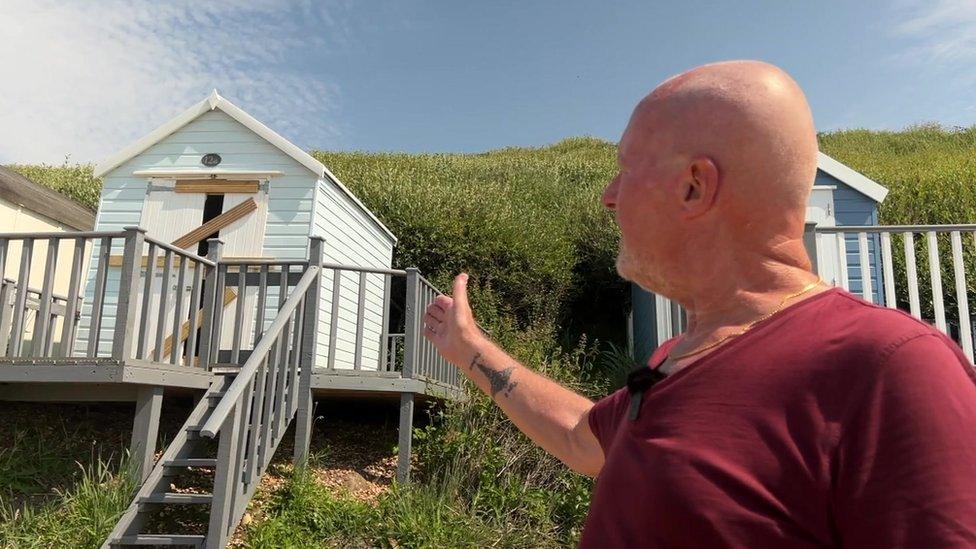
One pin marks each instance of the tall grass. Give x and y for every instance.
(80, 516)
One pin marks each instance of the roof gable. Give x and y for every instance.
(851, 178)
(213, 102)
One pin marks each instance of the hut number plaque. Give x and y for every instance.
(210, 159)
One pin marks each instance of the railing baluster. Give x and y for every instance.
(962, 296)
(935, 272)
(213, 301)
(334, 319)
(867, 289)
(149, 281)
(7, 288)
(268, 415)
(891, 299)
(191, 329)
(252, 471)
(175, 352)
(42, 324)
(240, 479)
(296, 356)
(163, 305)
(235, 352)
(842, 262)
(912, 273)
(218, 315)
(20, 306)
(98, 302)
(360, 308)
(71, 306)
(262, 303)
(279, 395)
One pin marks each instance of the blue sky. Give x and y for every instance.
(87, 78)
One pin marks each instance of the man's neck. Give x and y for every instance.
(728, 304)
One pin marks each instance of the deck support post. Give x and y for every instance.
(405, 441)
(810, 243)
(123, 340)
(411, 343)
(145, 429)
(310, 323)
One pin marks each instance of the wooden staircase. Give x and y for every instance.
(247, 409)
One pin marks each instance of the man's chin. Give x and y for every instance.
(628, 271)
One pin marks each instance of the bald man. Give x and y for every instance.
(790, 413)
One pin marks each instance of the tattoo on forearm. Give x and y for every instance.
(500, 380)
(474, 361)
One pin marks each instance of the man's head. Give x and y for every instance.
(716, 166)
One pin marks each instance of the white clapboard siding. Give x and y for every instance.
(351, 238)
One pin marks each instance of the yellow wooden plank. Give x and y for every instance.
(229, 295)
(215, 186)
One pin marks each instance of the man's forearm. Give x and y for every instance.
(553, 416)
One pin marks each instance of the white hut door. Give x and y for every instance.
(820, 210)
(244, 239)
(166, 216)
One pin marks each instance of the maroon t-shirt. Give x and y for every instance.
(833, 423)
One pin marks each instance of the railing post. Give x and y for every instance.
(123, 340)
(309, 348)
(221, 511)
(810, 243)
(212, 303)
(411, 335)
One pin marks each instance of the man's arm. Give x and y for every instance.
(553, 416)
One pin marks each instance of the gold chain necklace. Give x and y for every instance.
(747, 327)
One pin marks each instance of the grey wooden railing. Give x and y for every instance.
(155, 288)
(17, 289)
(252, 416)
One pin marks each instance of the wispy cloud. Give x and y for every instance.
(86, 78)
(943, 31)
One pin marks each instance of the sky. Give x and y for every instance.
(83, 79)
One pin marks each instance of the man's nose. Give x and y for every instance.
(609, 197)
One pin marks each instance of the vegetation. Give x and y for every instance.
(528, 225)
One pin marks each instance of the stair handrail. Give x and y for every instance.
(261, 350)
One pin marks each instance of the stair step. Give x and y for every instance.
(160, 539)
(171, 497)
(225, 368)
(192, 462)
(216, 396)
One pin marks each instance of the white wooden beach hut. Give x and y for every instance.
(216, 171)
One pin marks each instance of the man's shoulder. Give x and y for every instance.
(869, 333)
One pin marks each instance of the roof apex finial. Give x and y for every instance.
(213, 99)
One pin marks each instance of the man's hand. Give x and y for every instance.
(450, 325)
(551, 415)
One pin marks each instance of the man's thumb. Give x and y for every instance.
(460, 292)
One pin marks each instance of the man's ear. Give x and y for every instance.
(698, 187)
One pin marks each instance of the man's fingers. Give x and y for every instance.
(431, 320)
(460, 293)
(436, 312)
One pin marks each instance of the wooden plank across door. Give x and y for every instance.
(203, 231)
